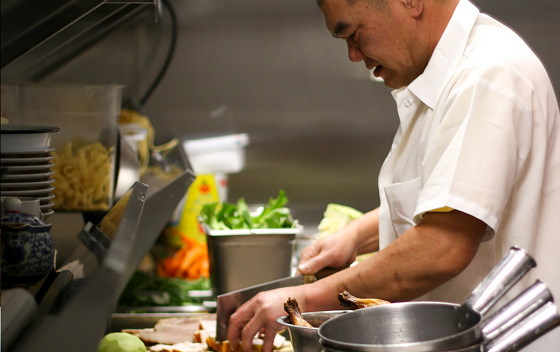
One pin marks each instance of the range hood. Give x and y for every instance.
(40, 36)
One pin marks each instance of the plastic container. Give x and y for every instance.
(85, 114)
(223, 154)
(243, 258)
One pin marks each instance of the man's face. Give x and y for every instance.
(381, 36)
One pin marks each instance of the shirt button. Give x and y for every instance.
(407, 103)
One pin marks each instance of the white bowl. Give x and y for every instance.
(26, 161)
(28, 193)
(45, 207)
(26, 138)
(34, 176)
(47, 214)
(27, 184)
(30, 167)
(41, 153)
(45, 199)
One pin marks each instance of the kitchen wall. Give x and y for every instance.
(319, 128)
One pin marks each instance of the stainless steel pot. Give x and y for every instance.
(425, 326)
(537, 324)
(522, 334)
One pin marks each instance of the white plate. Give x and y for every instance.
(46, 206)
(39, 160)
(37, 176)
(26, 153)
(47, 214)
(30, 167)
(26, 184)
(45, 200)
(28, 192)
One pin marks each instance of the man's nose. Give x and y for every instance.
(354, 52)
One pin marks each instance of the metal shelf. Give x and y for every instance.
(80, 325)
(81, 318)
(40, 36)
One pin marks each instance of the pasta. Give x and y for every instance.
(82, 177)
(147, 145)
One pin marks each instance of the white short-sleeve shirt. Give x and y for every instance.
(479, 132)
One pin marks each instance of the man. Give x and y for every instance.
(474, 167)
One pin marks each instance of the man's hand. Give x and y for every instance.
(358, 237)
(334, 251)
(259, 314)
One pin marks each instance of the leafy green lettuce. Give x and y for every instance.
(226, 216)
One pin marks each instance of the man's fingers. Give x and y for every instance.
(313, 265)
(235, 326)
(310, 252)
(269, 335)
(309, 257)
(249, 332)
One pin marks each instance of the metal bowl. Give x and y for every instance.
(306, 339)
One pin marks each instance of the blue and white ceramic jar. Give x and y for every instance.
(27, 246)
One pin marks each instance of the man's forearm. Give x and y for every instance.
(420, 260)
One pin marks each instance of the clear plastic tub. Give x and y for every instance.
(223, 154)
(87, 116)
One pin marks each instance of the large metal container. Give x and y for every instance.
(243, 258)
(306, 339)
(425, 326)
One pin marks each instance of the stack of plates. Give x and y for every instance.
(29, 176)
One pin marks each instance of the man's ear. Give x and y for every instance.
(414, 7)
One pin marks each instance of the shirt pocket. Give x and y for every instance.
(401, 201)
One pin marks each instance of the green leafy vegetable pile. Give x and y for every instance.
(226, 216)
(146, 291)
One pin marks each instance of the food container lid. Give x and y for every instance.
(197, 146)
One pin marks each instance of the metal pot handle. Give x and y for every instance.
(503, 276)
(528, 330)
(523, 305)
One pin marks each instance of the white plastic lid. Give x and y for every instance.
(196, 146)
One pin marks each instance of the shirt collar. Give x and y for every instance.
(449, 50)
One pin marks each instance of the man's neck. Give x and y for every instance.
(438, 14)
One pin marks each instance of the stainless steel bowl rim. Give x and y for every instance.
(281, 321)
(336, 313)
(349, 346)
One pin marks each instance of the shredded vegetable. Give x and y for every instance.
(143, 290)
(189, 262)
